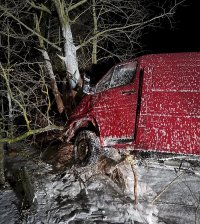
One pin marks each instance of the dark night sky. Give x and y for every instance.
(184, 36)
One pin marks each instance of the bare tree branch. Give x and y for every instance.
(28, 28)
(40, 7)
(72, 7)
(140, 24)
(5, 76)
(31, 132)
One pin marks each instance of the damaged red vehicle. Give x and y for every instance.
(151, 103)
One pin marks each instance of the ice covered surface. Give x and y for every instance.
(90, 197)
(180, 192)
(166, 195)
(8, 207)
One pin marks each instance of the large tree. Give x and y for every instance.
(45, 44)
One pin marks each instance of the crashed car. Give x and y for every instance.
(151, 103)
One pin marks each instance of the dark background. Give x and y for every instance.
(183, 36)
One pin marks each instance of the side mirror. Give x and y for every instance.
(87, 89)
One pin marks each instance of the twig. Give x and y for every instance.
(196, 212)
(166, 187)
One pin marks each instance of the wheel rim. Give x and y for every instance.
(82, 150)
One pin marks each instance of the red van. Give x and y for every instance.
(151, 103)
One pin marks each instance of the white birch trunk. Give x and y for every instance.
(10, 113)
(70, 58)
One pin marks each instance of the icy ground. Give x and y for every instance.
(168, 192)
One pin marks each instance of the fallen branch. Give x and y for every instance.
(135, 185)
(131, 161)
(31, 132)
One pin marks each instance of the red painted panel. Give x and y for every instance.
(173, 134)
(173, 103)
(170, 110)
(183, 78)
(115, 112)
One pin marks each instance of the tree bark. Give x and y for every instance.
(2, 177)
(94, 41)
(70, 57)
(54, 87)
(49, 68)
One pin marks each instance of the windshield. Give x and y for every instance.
(117, 76)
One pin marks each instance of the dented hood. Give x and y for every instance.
(83, 107)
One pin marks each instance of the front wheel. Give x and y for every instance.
(86, 148)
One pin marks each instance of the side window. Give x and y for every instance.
(123, 75)
(104, 83)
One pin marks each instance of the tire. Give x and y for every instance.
(86, 148)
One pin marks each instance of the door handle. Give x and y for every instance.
(128, 92)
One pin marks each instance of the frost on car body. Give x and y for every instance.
(150, 103)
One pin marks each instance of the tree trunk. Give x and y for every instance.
(49, 68)
(2, 177)
(70, 57)
(94, 41)
(54, 86)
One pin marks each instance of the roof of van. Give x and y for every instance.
(179, 56)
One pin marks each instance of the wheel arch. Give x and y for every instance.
(90, 127)
(79, 125)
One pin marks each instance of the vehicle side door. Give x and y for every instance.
(115, 104)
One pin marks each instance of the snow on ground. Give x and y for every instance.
(166, 195)
(167, 192)
(91, 197)
(8, 207)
